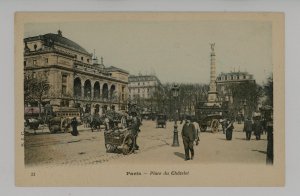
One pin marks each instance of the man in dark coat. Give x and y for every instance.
(229, 130)
(188, 137)
(257, 128)
(74, 125)
(136, 123)
(248, 128)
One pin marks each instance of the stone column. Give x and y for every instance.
(212, 94)
(82, 91)
(92, 91)
(213, 71)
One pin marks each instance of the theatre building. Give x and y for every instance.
(75, 76)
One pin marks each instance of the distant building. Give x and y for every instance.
(225, 79)
(142, 89)
(76, 78)
(143, 86)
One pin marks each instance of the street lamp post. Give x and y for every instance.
(175, 92)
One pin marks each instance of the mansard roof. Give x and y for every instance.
(58, 39)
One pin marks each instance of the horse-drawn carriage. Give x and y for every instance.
(32, 117)
(210, 116)
(61, 122)
(33, 123)
(161, 120)
(119, 140)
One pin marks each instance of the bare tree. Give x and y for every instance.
(36, 90)
(246, 94)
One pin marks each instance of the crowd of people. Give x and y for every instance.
(191, 131)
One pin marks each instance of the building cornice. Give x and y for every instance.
(59, 67)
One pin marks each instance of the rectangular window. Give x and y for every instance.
(64, 78)
(24, 63)
(64, 89)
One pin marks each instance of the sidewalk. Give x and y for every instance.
(44, 129)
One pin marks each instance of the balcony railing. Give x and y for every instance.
(100, 99)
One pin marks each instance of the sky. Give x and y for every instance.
(176, 51)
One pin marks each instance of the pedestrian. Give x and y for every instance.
(106, 122)
(74, 125)
(257, 128)
(264, 126)
(197, 130)
(224, 125)
(135, 126)
(229, 130)
(188, 137)
(248, 128)
(123, 122)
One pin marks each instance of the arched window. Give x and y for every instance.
(87, 89)
(96, 90)
(112, 90)
(77, 88)
(105, 91)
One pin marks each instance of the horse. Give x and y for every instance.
(86, 119)
(96, 122)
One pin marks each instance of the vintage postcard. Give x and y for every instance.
(149, 99)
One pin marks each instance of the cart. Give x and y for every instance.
(59, 124)
(161, 120)
(33, 123)
(212, 121)
(119, 140)
(210, 116)
(62, 121)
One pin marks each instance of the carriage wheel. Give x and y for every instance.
(203, 128)
(110, 148)
(54, 128)
(214, 126)
(128, 144)
(64, 125)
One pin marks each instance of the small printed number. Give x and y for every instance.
(32, 174)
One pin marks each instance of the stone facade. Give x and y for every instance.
(76, 78)
(225, 79)
(143, 86)
(144, 91)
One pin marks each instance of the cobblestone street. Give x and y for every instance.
(44, 149)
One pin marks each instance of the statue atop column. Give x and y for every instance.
(212, 46)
